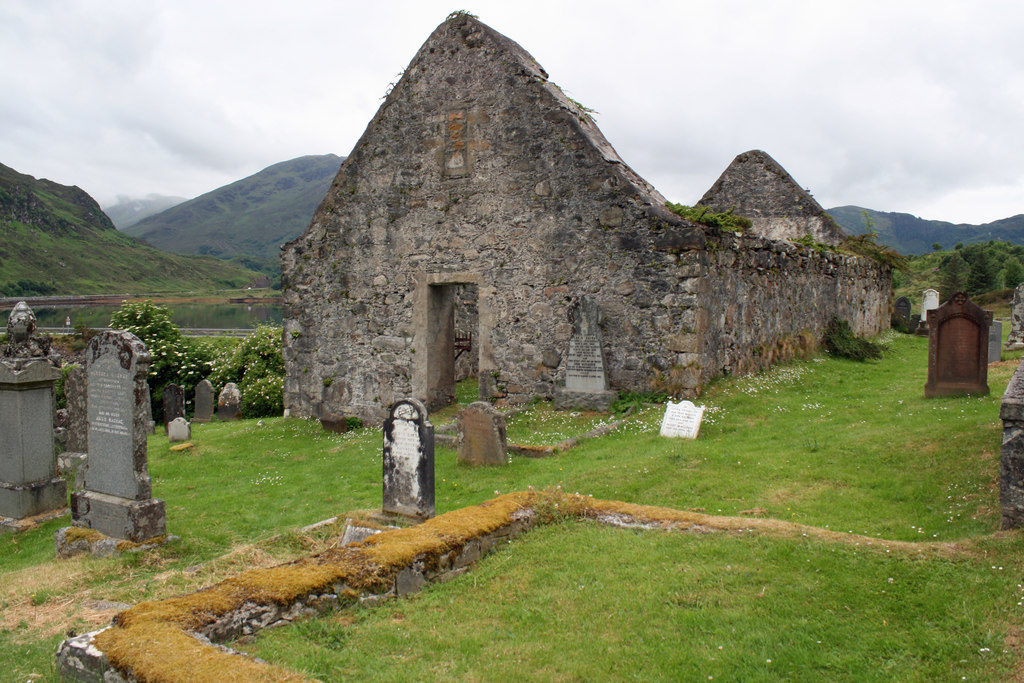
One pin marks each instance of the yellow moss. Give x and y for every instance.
(182, 446)
(78, 533)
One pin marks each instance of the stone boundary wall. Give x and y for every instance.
(1011, 457)
(765, 301)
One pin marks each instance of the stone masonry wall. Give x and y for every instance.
(478, 170)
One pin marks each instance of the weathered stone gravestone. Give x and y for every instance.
(901, 309)
(117, 496)
(995, 341)
(29, 484)
(1015, 340)
(957, 348)
(229, 403)
(174, 403)
(682, 420)
(1011, 458)
(586, 378)
(203, 402)
(408, 461)
(77, 424)
(333, 422)
(482, 439)
(929, 302)
(179, 429)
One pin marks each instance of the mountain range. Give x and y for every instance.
(911, 235)
(251, 217)
(55, 239)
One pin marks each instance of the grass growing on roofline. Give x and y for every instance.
(851, 447)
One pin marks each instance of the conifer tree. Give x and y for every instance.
(954, 276)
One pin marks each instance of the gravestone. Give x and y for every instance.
(481, 437)
(408, 461)
(333, 422)
(203, 402)
(179, 429)
(229, 403)
(174, 403)
(902, 308)
(929, 302)
(29, 484)
(957, 348)
(682, 420)
(1011, 455)
(1015, 340)
(77, 424)
(586, 377)
(116, 499)
(995, 341)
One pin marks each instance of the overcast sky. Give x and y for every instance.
(893, 105)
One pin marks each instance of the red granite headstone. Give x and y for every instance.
(957, 348)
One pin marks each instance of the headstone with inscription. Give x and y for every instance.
(995, 342)
(482, 435)
(203, 402)
(586, 377)
(929, 302)
(957, 348)
(29, 485)
(229, 403)
(408, 461)
(116, 499)
(901, 309)
(174, 403)
(682, 420)
(179, 429)
(1015, 340)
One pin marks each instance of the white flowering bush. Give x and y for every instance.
(257, 367)
(176, 359)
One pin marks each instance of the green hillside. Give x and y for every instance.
(130, 210)
(55, 239)
(909, 234)
(250, 217)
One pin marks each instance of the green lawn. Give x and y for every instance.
(851, 447)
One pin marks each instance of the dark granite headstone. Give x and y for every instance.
(1015, 340)
(204, 402)
(995, 342)
(586, 378)
(174, 403)
(229, 403)
(408, 461)
(957, 348)
(29, 484)
(482, 439)
(116, 499)
(902, 308)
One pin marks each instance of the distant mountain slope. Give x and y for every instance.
(250, 217)
(909, 234)
(55, 239)
(129, 210)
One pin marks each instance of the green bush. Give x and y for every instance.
(175, 359)
(725, 220)
(257, 367)
(840, 341)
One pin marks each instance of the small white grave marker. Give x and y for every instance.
(682, 419)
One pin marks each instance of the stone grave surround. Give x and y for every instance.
(116, 498)
(478, 173)
(958, 341)
(408, 461)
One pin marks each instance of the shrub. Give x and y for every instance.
(255, 364)
(840, 341)
(725, 220)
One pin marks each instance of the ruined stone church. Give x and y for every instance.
(478, 209)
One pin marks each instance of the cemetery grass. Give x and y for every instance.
(844, 446)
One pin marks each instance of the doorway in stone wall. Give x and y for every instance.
(448, 332)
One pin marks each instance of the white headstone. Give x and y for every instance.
(929, 302)
(682, 420)
(179, 429)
